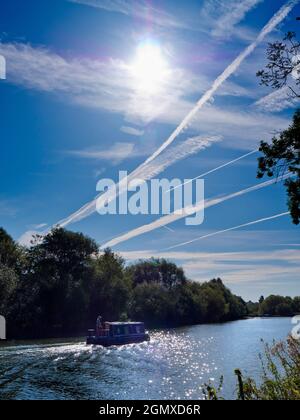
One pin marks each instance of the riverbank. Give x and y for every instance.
(82, 336)
(60, 285)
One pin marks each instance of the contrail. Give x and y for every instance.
(189, 147)
(215, 169)
(90, 208)
(188, 211)
(276, 19)
(228, 230)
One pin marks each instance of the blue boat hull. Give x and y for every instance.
(117, 341)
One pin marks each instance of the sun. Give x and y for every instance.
(149, 68)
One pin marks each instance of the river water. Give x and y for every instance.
(174, 365)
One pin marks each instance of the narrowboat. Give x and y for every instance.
(118, 334)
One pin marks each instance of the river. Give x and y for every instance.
(174, 365)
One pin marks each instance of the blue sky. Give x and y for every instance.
(71, 113)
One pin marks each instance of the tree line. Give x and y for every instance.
(60, 284)
(274, 305)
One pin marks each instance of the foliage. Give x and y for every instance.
(280, 376)
(283, 62)
(110, 287)
(62, 283)
(283, 156)
(157, 271)
(8, 284)
(274, 306)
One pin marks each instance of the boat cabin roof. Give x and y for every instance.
(125, 323)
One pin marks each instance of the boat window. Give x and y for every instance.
(133, 329)
(119, 330)
(126, 330)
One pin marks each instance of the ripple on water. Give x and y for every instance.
(174, 364)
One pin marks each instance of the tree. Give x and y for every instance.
(277, 306)
(10, 253)
(253, 308)
(158, 271)
(283, 65)
(296, 304)
(151, 303)
(8, 284)
(283, 154)
(56, 286)
(110, 287)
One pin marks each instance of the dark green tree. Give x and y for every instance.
(296, 305)
(158, 271)
(110, 288)
(11, 254)
(277, 306)
(54, 295)
(152, 304)
(283, 154)
(283, 69)
(8, 285)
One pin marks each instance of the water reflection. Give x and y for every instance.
(174, 365)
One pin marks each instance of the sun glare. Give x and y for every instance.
(149, 68)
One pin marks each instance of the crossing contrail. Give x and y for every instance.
(109, 196)
(215, 169)
(188, 211)
(276, 19)
(265, 219)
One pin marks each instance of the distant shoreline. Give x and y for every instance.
(81, 336)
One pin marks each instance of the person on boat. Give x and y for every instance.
(99, 325)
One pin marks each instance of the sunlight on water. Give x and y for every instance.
(174, 365)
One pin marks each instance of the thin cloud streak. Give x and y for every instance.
(109, 197)
(187, 211)
(277, 101)
(216, 169)
(276, 19)
(139, 9)
(265, 219)
(235, 267)
(226, 14)
(190, 147)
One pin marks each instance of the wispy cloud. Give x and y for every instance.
(132, 131)
(224, 15)
(144, 172)
(187, 211)
(110, 86)
(255, 222)
(181, 151)
(276, 19)
(2, 67)
(224, 165)
(114, 154)
(88, 82)
(233, 267)
(90, 208)
(277, 101)
(39, 226)
(140, 9)
(8, 208)
(284, 255)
